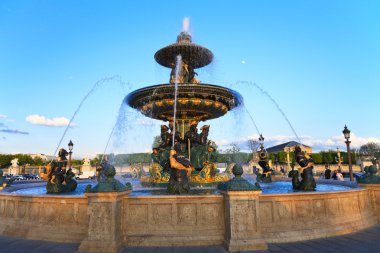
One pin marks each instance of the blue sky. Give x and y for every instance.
(319, 60)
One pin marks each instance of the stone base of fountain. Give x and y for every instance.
(197, 179)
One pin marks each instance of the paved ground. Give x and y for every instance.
(365, 241)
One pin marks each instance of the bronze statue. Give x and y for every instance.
(266, 176)
(307, 182)
(204, 134)
(62, 157)
(60, 180)
(180, 169)
(370, 176)
(192, 137)
(177, 135)
(163, 148)
(108, 183)
(165, 136)
(209, 167)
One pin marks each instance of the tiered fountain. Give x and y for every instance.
(110, 216)
(184, 102)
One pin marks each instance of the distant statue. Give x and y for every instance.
(86, 161)
(266, 176)
(180, 169)
(59, 180)
(307, 182)
(14, 163)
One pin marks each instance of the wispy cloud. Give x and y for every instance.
(36, 119)
(13, 131)
(3, 116)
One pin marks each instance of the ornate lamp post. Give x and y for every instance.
(346, 134)
(71, 145)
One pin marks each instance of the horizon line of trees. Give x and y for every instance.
(232, 154)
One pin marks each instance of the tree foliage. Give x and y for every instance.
(370, 149)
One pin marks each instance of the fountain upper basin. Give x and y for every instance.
(199, 102)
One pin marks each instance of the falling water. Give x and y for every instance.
(108, 141)
(177, 69)
(253, 121)
(96, 85)
(274, 102)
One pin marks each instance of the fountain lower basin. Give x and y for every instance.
(189, 220)
(279, 187)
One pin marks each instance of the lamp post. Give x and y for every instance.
(346, 134)
(71, 145)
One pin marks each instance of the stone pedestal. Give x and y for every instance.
(242, 222)
(375, 197)
(104, 228)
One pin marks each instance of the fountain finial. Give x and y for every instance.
(184, 37)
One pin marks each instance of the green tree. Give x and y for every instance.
(317, 158)
(233, 152)
(5, 160)
(370, 149)
(327, 157)
(38, 161)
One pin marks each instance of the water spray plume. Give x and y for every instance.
(275, 103)
(177, 69)
(253, 121)
(186, 24)
(96, 85)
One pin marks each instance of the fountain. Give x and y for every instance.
(239, 214)
(184, 102)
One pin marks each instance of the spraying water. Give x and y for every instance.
(253, 121)
(185, 24)
(177, 69)
(96, 85)
(108, 141)
(274, 102)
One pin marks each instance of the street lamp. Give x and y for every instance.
(346, 134)
(71, 145)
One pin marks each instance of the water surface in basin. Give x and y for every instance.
(286, 187)
(138, 190)
(41, 190)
